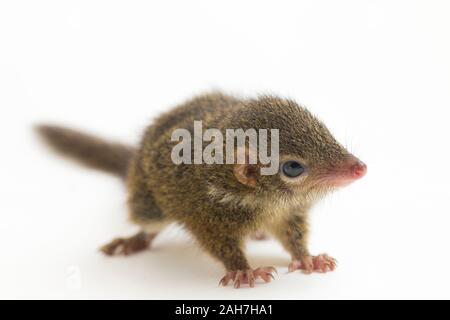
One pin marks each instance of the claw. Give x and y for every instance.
(272, 269)
(239, 278)
(251, 278)
(321, 263)
(294, 265)
(248, 276)
(226, 279)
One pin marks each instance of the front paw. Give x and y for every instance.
(322, 263)
(247, 276)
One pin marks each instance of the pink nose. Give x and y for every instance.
(358, 169)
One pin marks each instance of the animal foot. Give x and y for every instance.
(321, 263)
(248, 276)
(127, 246)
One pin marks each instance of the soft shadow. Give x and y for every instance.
(176, 260)
(189, 258)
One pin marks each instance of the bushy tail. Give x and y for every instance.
(91, 151)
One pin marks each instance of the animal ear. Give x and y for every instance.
(246, 174)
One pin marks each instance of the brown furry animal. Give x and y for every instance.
(222, 204)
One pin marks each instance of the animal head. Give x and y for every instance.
(311, 161)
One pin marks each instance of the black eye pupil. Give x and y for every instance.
(293, 169)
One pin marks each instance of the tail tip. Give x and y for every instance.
(45, 130)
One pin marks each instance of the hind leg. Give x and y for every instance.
(145, 213)
(127, 246)
(134, 244)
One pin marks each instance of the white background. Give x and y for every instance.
(377, 72)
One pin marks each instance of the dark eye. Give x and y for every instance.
(293, 169)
